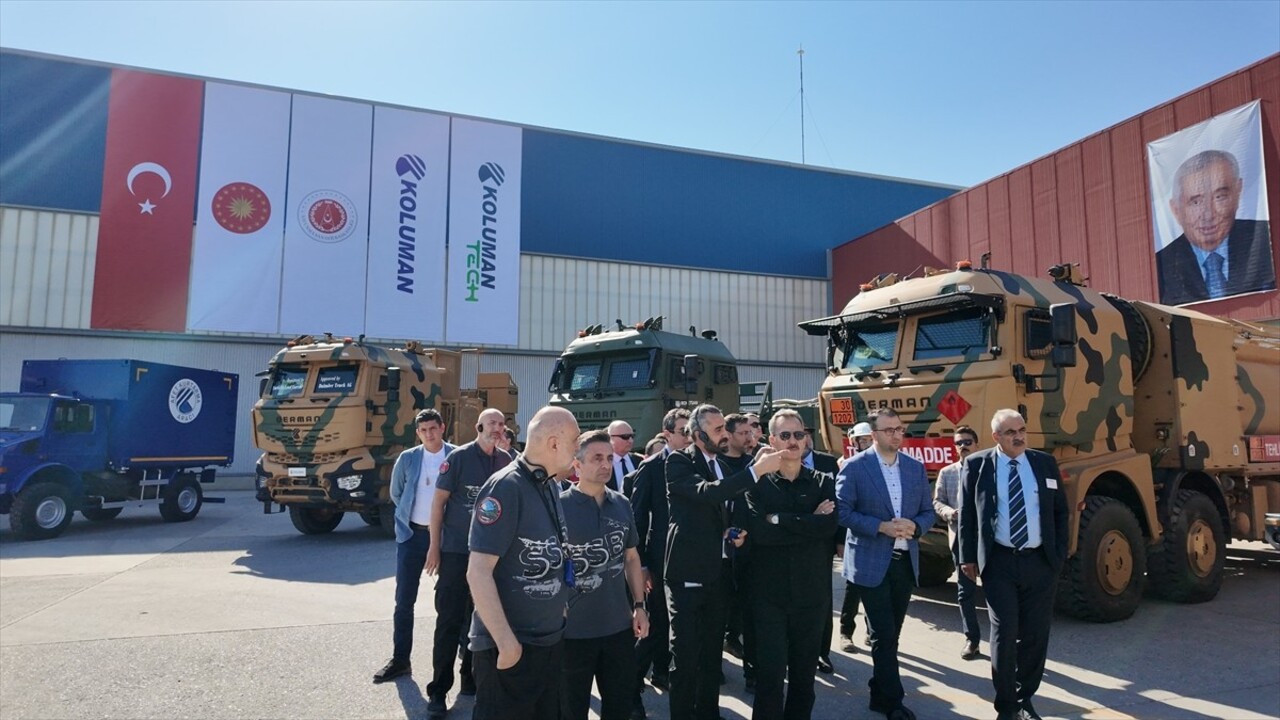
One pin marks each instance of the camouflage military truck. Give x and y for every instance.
(1163, 420)
(334, 414)
(638, 373)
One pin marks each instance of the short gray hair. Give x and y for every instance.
(1001, 415)
(783, 415)
(1200, 162)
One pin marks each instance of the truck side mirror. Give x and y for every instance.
(554, 384)
(393, 383)
(262, 387)
(1062, 318)
(690, 369)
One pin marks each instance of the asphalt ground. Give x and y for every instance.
(236, 615)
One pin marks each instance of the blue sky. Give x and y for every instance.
(949, 92)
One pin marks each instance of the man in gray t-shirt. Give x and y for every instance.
(519, 576)
(604, 622)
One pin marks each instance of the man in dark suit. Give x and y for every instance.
(825, 466)
(1013, 533)
(625, 462)
(649, 503)
(1216, 255)
(883, 499)
(698, 485)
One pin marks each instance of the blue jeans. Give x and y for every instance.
(411, 558)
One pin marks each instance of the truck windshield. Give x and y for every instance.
(340, 379)
(869, 345)
(613, 373)
(19, 414)
(958, 334)
(288, 381)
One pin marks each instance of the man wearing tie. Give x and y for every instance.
(698, 486)
(883, 498)
(622, 438)
(1013, 534)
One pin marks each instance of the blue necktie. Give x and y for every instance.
(1215, 280)
(1017, 509)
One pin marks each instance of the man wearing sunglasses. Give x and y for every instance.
(883, 498)
(946, 502)
(625, 462)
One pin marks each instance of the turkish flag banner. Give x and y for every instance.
(148, 202)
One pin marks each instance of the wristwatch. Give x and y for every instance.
(638, 606)
(773, 519)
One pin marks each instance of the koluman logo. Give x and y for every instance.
(482, 258)
(408, 230)
(185, 400)
(327, 216)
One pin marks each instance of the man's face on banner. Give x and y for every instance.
(1206, 205)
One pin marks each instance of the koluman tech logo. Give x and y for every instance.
(407, 232)
(327, 216)
(185, 400)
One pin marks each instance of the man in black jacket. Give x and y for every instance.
(649, 502)
(698, 486)
(825, 466)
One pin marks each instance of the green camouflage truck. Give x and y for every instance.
(1165, 421)
(638, 373)
(333, 415)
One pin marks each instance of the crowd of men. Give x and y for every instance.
(577, 561)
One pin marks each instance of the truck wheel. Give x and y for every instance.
(41, 511)
(314, 521)
(371, 517)
(100, 514)
(182, 499)
(1194, 548)
(1104, 580)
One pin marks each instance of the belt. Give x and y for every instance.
(901, 554)
(416, 526)
(1018, 551)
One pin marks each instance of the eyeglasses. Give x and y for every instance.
(893, 430)
(786, 435)
(754, 424)
(963, 443)
(624, 436)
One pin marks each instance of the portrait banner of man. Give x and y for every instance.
(1209, 209)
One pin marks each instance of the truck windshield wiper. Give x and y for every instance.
(927, 368)
(866, 374)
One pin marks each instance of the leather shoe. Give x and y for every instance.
(661, 681)
(1028, 711)
(392, 670)
(847, 645)
(436, 709)
(468, 687)
(970, 651)
(1009, 715)
(824, 665)
(734, 648)
(902, 712)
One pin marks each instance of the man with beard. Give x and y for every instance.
(464, 471)
(698, 485)
(740, 631)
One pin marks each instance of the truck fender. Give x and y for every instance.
(1172, 481)
(52, 471)
(1123, 476)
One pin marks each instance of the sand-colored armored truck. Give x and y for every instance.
(1165, 421)
(638, 373)
(333, 415)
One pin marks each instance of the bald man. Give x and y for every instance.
(519, 577)
(464, 471)
(622, 439)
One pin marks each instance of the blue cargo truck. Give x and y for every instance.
(99, 435)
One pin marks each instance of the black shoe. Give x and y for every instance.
(879, 706)
(1028, 711)
(468, 686)
(970, 651)
(661, 681)
(392, 670)
(824, 665)
(733, 647)
(436, 708)
(847, 645)
(1008, 715)
(902, 712)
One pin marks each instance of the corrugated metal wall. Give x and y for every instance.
(1087, 203)
(46, 267)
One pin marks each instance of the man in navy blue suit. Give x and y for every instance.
(883, 498)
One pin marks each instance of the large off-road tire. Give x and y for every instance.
(1104, 580)
(314, 521)
(372, 517)
(182, 499)
(1188, 569)
(41, 511)
(100, 514)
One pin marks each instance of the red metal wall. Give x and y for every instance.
(1088, 203)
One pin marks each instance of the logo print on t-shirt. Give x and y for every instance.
(488, 511)
(541, 561)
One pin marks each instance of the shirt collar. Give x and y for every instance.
(1202, 255)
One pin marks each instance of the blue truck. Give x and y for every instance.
(99, 435)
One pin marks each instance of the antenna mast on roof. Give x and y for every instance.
(800, 52)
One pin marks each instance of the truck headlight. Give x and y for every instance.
(349, 482)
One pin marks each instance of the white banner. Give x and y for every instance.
(408, 202)
(483, 304)
(1209, 209)
(326, 236)
(235, 260)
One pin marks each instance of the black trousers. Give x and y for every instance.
(1020, 590)
(789, 640)
(453, 622)
(849, 610)
(886, 608)
(529, 690)
(411, 557)
(610, 662)
(654, 649)
(697, 636)
(740, 611)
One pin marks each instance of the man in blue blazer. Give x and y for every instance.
(413, 484)
(883, 499)
(1013, 534)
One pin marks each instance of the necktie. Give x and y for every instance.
(1017, 509)
(1215, 279)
